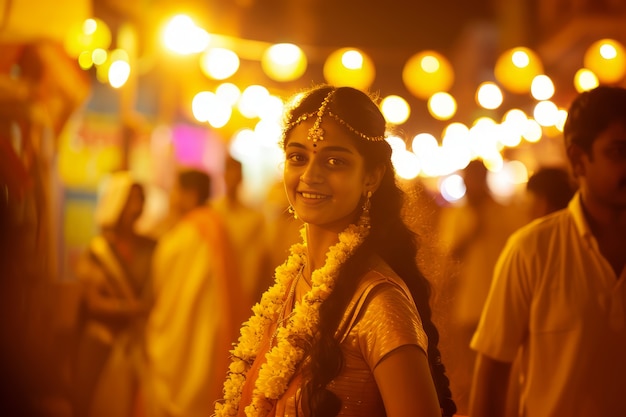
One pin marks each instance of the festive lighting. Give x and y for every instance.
(542, 87)
(607, 59)
(252, 100)
(442, 106)
(91, 34)
(546, 113)
(349, 67)
(585, 80)
(516, 68)
(395, 109)
(119, 71)
(181, 35)
(489, 95)
(452, 188)
(427, 73)
(284, 62)
(219, 63)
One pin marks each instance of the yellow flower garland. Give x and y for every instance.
(282, 359)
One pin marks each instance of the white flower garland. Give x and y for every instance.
(282, 359)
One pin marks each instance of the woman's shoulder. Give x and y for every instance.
(382, 277)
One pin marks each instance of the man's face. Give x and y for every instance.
(602, 173)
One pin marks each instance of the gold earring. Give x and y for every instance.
(292, 211)
(364, 219)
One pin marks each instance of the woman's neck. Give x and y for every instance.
(319, 240)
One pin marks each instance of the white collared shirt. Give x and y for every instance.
(555, 296)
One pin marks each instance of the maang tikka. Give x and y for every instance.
(316, 132)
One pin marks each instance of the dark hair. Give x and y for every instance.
(591, 113)
(554, 184)
(197, 181)
(389, 237)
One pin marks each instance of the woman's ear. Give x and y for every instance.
(374, 178)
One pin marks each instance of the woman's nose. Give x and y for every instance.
(312, 173)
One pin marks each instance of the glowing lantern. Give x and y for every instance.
(91, 34)
(427, 73)
(607, 59)
(442, 106)
(395, 109)
(585, 80)
(219, 63)
(349, 67)
(284, 62)
(516, 68)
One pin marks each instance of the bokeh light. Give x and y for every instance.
(349, 67)
(516, 68)
(442, 106)
(284, 62)
(607, 59)
(219, 63)
(489, 96)
(427, 73)
(395, 109)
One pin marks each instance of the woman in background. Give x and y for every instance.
(114, 274)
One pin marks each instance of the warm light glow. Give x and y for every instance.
(560, 120)
(516, 68)
(607, 59)
(427, 73)
(585, 80)
(395, 109)
(228, 93)
(284, 62)
(542, 87)
(181, 35)
(119, 71)
(424, 145)
(219, 63)
(452, 188)
(90, 35)
(208, 107)
(98, 56)
(252, 100)
(442, 106)
(396, 143)
(349, 67)
(85, 60)
(546, 113)
(533, 131)
(489, 95)
(406, 164)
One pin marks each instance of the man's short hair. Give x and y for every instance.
(591, 113)
(554, 184)
(197, 181)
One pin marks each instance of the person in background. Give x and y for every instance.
(247, 231)
(346, 329)
(114, 273)
(558, 295)
(472, 232)
(548, 190)
(196, 309)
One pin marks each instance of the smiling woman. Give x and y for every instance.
(349, 304)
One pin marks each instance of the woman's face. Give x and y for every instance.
(325, 183)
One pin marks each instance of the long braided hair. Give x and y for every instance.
(389, 238)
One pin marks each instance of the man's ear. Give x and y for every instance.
(577, 156)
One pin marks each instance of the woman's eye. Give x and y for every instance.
(295, 158)
(335, 162)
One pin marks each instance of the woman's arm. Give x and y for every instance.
(405, 384)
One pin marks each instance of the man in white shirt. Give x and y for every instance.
(558, 295)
